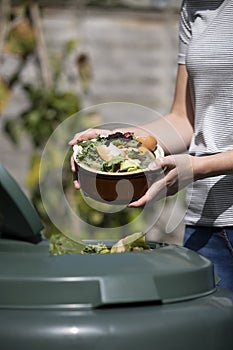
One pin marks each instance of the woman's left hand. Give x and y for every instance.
(178, 173)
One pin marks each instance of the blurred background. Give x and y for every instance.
(59, 57)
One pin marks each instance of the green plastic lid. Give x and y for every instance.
(164, 275)
(18, 217)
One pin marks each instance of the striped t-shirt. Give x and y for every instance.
(206, 47)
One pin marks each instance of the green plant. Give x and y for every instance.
(48, 105)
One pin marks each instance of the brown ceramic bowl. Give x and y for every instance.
(117, 188)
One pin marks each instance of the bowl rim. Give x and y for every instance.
(159, 152)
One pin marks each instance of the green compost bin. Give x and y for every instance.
(161, 299)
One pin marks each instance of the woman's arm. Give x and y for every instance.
(174, 130)
(214, 165)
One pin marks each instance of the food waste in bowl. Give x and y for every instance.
(115, 168)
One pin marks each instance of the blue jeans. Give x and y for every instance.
(216, 244)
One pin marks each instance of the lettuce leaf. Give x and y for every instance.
(130, 165)
(113, 165)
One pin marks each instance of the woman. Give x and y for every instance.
(202, 115)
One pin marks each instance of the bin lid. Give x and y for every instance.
(18, 218)
(31, 278)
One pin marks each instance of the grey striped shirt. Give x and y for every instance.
(206, 47)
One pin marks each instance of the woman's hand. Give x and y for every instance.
(88, 134)
(178, 173)
(82, 136)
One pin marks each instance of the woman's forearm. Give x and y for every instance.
(173, 132)
(213, 165)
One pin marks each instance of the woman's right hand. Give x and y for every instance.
(82, 136)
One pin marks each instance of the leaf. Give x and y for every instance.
(4, 95)
(70, 45)
(113, 164)
(127, 243)
(32, 178)
(60, 244)
(13, 129)
(21, 39)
